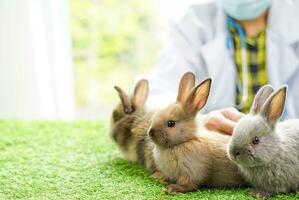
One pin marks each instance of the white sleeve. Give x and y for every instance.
(294, 91)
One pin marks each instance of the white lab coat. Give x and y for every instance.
(197, 43)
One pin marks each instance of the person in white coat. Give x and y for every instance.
(199, 43)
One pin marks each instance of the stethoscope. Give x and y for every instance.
(242, 88)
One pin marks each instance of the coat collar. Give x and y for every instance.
(220, 65)
(282, 34)
(282, 60)
(283, 21)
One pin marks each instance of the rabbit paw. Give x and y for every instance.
(260, 194)
(173, 189)
(160, 177)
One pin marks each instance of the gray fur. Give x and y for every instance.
(260, 98)
(273, 164)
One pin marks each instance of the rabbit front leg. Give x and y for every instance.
(261, 194)
(159, 176)
(182, 185)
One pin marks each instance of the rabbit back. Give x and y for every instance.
(130, 135)
(289, 134)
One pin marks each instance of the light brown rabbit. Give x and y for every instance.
(129, 125)
(187, 155)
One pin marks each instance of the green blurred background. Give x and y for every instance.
(113, 41)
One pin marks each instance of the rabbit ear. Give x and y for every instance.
(140, 94)
(274, 106)
(198, 97)
(260, 98)
(126, 102)
(186, 84)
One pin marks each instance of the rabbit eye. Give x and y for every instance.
(170, 123)
(116, 117)
(255, 140)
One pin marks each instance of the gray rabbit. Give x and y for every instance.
(267, 151)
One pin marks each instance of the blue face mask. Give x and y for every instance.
(245, 9)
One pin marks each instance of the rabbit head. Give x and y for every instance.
(127, 111)
(254, 141)
(176, 123)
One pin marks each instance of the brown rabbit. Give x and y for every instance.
(187, 155)
(129, 125)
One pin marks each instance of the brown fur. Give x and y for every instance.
(187, 155)
(129, 125)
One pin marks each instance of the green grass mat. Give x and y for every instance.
(77, 160)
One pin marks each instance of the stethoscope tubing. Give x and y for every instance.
(242, 86)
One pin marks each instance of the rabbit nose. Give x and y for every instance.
(152, 132)
(236, 152)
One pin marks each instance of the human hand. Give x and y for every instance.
(223, 120)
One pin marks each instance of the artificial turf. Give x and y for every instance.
(77, 160)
